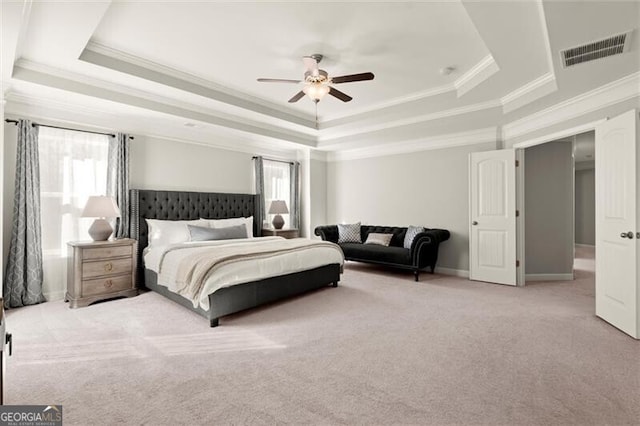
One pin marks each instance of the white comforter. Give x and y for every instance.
(165, 261)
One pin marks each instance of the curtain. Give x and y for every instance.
(23, 277)
(73, 166)
(118, 180)
(258, 167)
(294, 210)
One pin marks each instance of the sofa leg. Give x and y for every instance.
(334, 284)
(213, 322)
(433, 268)
(416, 274)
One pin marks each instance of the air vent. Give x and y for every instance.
(598, 49)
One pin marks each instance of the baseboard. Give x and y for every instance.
(584, 245)
(450, 271)
(54, 295)
(548, 277)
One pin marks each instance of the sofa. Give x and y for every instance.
(422, 254)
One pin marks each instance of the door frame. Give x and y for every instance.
(520, 183)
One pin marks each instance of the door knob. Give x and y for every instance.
(474, 223)
(627, 235)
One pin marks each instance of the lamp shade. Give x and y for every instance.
(278, 207)
(316, 91)
(101, 206)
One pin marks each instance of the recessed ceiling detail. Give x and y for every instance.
(614, 45)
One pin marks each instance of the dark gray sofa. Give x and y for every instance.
(423, 252)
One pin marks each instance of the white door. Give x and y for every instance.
(617, 222)
(492, 205)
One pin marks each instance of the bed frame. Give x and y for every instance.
(183, 205)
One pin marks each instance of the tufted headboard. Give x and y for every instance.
(184, 205)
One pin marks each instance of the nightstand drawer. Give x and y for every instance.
(106, 285)
(106, 267)
(105, 252)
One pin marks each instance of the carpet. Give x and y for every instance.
(379, 349)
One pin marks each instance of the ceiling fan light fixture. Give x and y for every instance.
(316, 91)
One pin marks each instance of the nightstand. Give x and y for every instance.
(286, 233)
(98, 270)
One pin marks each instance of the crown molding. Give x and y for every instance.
(474, 137)
(602, 97)
(325, 140)
(50, 110)
(98, 54)
(476, 75)
(528, 93)
(92, 87)
(564, 133)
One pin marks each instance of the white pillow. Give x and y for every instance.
(235, 221)
(379, 239)
(163, 232)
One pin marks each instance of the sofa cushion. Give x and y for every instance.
(412, 231)
(398, 233)
(376, 253)
(379, 239)
(349, 233)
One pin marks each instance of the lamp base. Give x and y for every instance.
(100, 230)
(278, 222)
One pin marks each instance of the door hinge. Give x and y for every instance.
(517, 213)
(517, 263)
(517, 163)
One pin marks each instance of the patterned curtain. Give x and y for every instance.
(118, 180)
(258, 165)
(294, 210)
(23, 277)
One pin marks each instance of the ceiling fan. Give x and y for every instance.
(317, 81)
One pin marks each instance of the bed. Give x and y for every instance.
(184, 205)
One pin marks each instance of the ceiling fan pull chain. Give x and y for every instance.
(317, 125)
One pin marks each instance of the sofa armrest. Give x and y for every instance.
(424, 249)
(327, 233)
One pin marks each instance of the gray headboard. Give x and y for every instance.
(184, 205)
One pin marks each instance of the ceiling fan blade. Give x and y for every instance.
(277, 80)
(311, 64)
(352, 77)
(296, 97)
(338, 94)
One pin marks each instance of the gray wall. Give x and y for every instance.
(586, 206)
(549, 229)
(428, 188)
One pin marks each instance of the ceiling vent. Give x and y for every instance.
(613, 45)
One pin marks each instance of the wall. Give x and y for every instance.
(585, 206)
(318, 202)
(549, 228)
(428, 188)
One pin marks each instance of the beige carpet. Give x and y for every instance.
(379, 349)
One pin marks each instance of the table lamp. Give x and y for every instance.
(278, 207)
(102, 207)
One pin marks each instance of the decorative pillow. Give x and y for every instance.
(200, 233)
(349, 233)
(163, 232)
(412, 231)
(380, 239)
(235, 221)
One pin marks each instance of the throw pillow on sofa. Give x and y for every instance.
(349, 233)
(380, 239)
(412, 231)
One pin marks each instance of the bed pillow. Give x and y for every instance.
(235, 221)
(349, 233)
(380, 239)
(163, 232)
(200, 233)
(412, 231)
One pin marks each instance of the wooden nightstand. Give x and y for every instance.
(286, 233)
(98, 270)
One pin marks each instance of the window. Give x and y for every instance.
(73, 166)
(277, 186)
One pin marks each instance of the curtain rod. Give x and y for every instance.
(65, 128)
(271, 159)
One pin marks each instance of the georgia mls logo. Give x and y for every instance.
(30, 415)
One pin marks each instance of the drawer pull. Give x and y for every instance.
(108, 266)
(108, 283)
